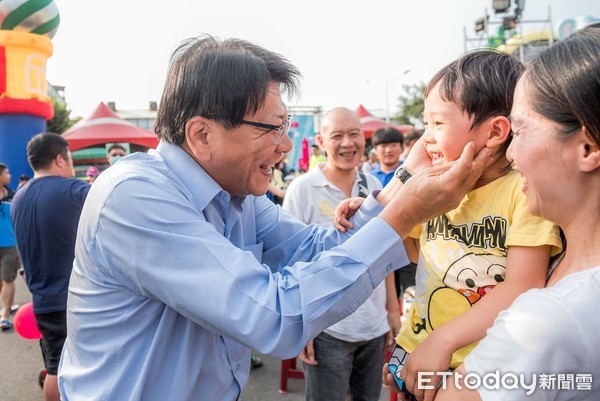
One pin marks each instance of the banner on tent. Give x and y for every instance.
(302, 127)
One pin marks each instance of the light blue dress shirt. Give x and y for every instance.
(174, 281)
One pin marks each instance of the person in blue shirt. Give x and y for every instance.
(45, 213)
(182, 265)
(387, 143)
(9, 257)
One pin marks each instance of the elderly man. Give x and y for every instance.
(347, 356)
(182, 264)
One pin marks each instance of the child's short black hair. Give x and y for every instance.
(481, 83)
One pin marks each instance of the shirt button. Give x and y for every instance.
(388, 267)
(237, 367)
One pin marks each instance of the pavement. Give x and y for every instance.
(21, 363)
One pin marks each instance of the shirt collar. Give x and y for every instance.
(202, 187)
(318, 179)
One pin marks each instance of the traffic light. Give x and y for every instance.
(500, 6)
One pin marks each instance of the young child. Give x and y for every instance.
(476, 259)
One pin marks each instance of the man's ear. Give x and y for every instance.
(588, 152)
(499, 131)
(196, 137)
(319, 141)
(59, 161)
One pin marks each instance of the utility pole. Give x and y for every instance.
(387, 96)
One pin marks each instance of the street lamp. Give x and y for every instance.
(389, 83)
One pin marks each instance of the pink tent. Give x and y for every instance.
(105, 126)
(370, 123)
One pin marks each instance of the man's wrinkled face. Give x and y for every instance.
(342, 139)
(242, 159)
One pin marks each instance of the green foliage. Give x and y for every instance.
(411, 104)
(62, 118)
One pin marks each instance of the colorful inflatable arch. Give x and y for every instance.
(26, 27)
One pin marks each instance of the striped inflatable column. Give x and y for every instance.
(25, 45)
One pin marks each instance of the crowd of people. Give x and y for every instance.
(158, 280)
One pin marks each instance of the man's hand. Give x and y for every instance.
(435, 190)
(308, 354)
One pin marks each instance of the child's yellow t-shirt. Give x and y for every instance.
(463, 256)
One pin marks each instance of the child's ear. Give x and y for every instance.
(499, 131)
(588, 153)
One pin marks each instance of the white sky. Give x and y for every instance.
(118, 50)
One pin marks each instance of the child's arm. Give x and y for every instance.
(412, 246)
(526, 268)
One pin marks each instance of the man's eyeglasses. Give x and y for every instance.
(280, 130)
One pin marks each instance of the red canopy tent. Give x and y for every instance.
(105, 126)
(370, 123)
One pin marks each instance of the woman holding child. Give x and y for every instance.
(548, 338)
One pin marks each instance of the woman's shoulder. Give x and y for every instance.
(575, 295)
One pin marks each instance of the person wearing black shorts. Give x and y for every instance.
(53, 201)
(53, 327)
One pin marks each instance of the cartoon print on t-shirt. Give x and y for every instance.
(466, 281)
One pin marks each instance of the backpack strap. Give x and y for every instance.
(363, 190)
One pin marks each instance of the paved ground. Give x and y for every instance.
(21, 362)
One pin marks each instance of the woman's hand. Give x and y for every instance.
(430, 356)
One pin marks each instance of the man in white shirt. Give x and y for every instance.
(347, 356)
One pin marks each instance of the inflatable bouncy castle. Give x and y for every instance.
(26, 27)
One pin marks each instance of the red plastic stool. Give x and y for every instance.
(288, 371)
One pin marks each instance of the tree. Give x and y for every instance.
(62, 118)
(411, 104)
